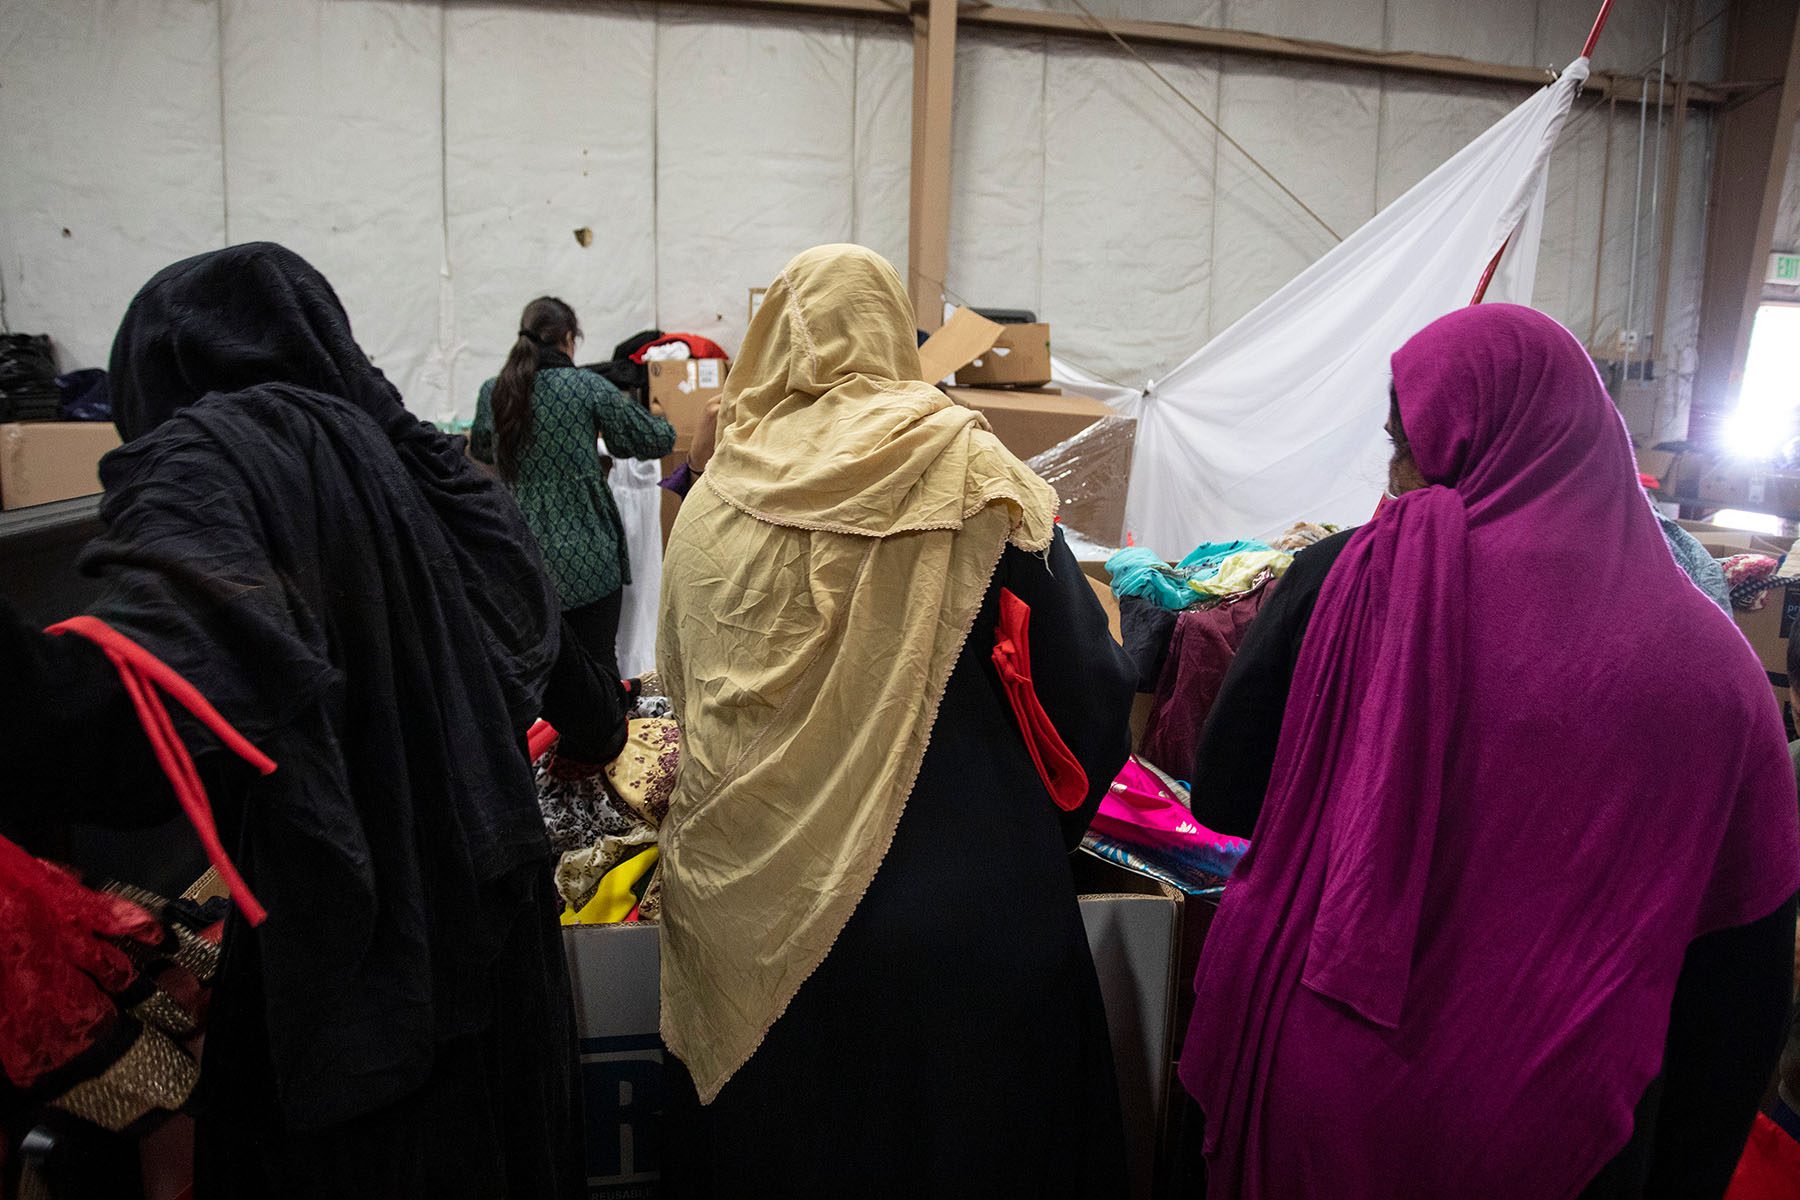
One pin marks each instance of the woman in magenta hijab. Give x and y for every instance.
(1526, 771)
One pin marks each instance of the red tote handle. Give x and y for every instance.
(143, 674)
(1056, 764)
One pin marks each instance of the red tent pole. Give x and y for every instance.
(1587, 51)
(1487, 276)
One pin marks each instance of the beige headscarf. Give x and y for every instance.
(818, 588)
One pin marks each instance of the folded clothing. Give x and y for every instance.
(1136, 571)
(695, 345)
(1304, 534)
(1241, 573)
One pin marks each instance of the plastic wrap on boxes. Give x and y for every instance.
(1091, 472)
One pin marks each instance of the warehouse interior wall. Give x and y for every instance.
(1787, 224)
(435, 159)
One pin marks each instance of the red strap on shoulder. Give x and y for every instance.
(143, 674)
(1056, 765)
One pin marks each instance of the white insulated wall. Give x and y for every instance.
(434, 158)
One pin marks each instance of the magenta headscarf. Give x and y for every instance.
(1525, 763)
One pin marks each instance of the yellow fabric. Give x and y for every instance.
(817, 590)
(579, 872)
(615, 898)
(1237, 573)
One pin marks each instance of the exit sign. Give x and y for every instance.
(1784, 268)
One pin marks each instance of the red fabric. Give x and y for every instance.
(698, 347)
(1770, 1168)
(143, 674)
(58, 967)
(1056, 765)
(539, 738)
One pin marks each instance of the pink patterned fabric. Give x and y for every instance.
(1141, 812)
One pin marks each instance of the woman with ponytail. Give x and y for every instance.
(538, 423)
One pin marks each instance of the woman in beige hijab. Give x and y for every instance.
(874, 969)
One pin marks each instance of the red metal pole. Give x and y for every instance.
(1587, 51)
(1487, 276)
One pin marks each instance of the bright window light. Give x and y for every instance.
(1765, 420)
(1732, 518)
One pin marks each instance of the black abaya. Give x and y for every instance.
(954, 1042)
(369, 609)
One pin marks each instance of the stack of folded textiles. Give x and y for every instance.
(1214, 573)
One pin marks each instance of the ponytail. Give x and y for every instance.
(512, 407)
(547, 321)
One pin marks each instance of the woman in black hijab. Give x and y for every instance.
(368, 608)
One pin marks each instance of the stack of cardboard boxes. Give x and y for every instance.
(1004, 372)
(1704, 480)
(1001, 371)
(682, 388)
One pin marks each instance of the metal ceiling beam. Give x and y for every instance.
(977, 16)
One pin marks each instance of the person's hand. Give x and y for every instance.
(706, 437)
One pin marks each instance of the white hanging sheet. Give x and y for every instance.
(1279, 419)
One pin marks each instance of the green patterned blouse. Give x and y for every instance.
(560, 486)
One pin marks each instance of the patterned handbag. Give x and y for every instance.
(104, 990)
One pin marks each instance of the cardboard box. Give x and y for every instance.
(1659, 464)
(1752, 486)
(1706, 481)
(984, 353)
(1108, 602)
(1029, 423)
(1092, 477)
(957, 342)
(1767, 631)
(1134, 934)
(1019, 358)
(45, 461)
(1091, 473)
(614, 973)
(682, 388)
(1142, 705)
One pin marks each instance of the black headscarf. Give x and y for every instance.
(370, 609)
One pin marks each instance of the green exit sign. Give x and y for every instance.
(1784, 268)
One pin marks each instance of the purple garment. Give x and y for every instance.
(681, 480)
(1445, 966)
(1201, 648)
